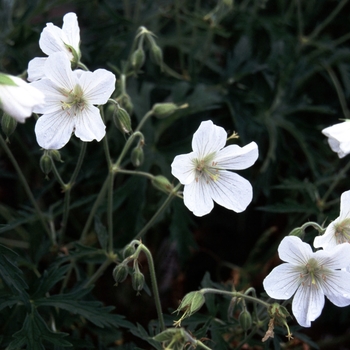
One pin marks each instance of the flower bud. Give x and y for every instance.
(157, 54)
(45, 163)
(137, 281)
(122, 120)
(125, 101)
(120, 273)
(298, 231)
(163, 110)
(128, 251)
(55, 155)
(8, 124)
(245, 320)
(162, 183)
(138, 58)
(191, 303)
(137, 156)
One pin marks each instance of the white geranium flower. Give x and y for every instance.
(18, 98)
(70, 99)
(54, 39)
(203, 171)
(339, 138)
(337, 231)
(311, 276)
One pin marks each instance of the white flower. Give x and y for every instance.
(18, 98)
(54, 39)
(311, 276)
(69, 105)
(339, 138)
(337, 231)
(203, 171)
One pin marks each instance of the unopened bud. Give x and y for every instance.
(245, 320)
(122, 120)
(137, 156)
(163, 110)
(190, 304)
(162, 183)
(8, 124)
(137, 281)
(298, 231)
(138, 58)
(55, 155)
(45, 163)
(120, 273)
(128, 251)
(157, 54)
(125, 101)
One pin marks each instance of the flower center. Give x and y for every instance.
(75, 101)
(342, 231)
(206, 168)
(312, 273)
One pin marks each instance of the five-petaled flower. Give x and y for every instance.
(69, 105)
(18, 98)
(54, 39)
(339, 138)
(338, 231)
(311, 276)
(204, 174)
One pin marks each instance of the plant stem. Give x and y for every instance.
(27, 190)
(99, 272)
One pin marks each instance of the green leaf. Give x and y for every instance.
(8, 300)
(91, 310)
(34, 332)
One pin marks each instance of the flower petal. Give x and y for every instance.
(89, 125)
(293, 250)
(336, 287)
(197, 198)
(282, 282)
(344, 205)
(338, 138)
(328, 239)
(53, 130)
(308, 303)
(51, 40)
(71, 29)
(230, 190)
(98, 86)
(208, 139)
(336, 258)
(36, 68)
(183, 169)
(235, 157)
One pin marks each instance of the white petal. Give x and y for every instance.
(308, 303)
(345, 204)
(282, 282)
(52, 40)
(338, 138)
(58, 69)
(36, 68)
(334, 259)
(197, 199)
(336, 287)
(183, 169)
(71, 29)
(54, 130)
(208, 139)
(230, 190)
(293, 250)
(89, 125)
(328, 239)
(98, 86)
(235, 157)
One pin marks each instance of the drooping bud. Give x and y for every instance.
(128, 251)
(137, 281)
(122, 120)
(156, 54)
(45, 163)
(55, 155)
(190, 304)
(8, 124)
(138, 58)
(125, 102)
(137, 156)
(120, 273)
(245, 320)
(162, 183)
(163, 110)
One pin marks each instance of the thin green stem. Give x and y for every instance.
(110, 211)
(57, 174)
(99, 272)
(166, 203)
(143, 120)
(136, 172)
(27, 189)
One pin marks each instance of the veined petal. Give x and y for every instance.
(336, 287)
(36, 68)
(89, 125)
(58, 69)
(183, 168)
(230, 190)
(338, 138)
(293, 250)
(53, 130)
(51, 41)
(308, 303)
(197, 198)
(335, 259)
(328, 239)
(282, 282)
(345, 204)
(71, 29)
(208, 139)
(98, 86)
(235, 157)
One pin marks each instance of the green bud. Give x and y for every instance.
(138, 58)
(128, 251)
(8, 124)
(125, 101)
(298, 231)
(157, 54)
(120, 273)
(45, 163)
(55, 155)
(162, 183)
(163, 110)
(137, 156)
(245, 320)
(190, 304)
(122, 120)
(137, 281)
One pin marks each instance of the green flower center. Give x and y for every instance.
(75, 101)
(342, 231)
(206, 168)
(312, 274)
